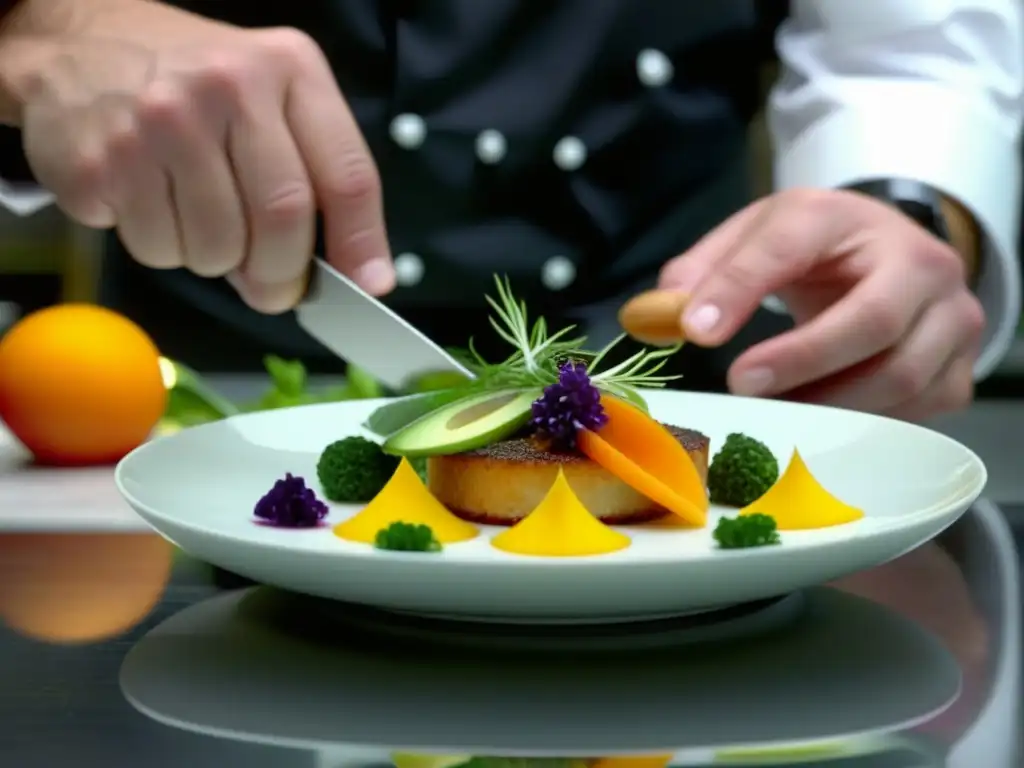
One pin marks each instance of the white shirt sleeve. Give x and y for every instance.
(928, 90)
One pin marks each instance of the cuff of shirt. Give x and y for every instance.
(940, 138)
(24, 199)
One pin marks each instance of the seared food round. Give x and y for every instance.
(502, 483)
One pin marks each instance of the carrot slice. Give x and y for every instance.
(648, 458)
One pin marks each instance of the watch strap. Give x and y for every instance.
(915, 199)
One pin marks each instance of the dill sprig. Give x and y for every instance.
(538, 353)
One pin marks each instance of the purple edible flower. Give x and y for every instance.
(570, 404)
(291, 504)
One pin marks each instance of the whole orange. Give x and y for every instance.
(79, 384)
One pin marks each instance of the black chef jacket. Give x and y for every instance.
(574, 146)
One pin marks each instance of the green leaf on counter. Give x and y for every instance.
(190, 400)
(362, 385)
(287, 376)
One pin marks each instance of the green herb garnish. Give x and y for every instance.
(533, 365)
(407, 537)
(746, 531)
(539, 353)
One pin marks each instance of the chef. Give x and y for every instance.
(589, 149)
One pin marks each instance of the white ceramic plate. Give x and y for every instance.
(198, 489)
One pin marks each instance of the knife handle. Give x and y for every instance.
(655, 317)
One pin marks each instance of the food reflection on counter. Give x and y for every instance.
(77, 588)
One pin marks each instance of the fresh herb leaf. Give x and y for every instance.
(361, 385)
(287, 376)
(538, 353)
(194, 393)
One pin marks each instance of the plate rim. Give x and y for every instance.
(963, 496)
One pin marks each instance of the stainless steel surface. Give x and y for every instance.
(363, 331)
(216, 678)
(60, 701)
(994, 429)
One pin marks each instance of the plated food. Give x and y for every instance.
(552, 453)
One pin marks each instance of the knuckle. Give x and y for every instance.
(287, 206)
(124, 141)
(942, 263)
(225, 76)
(883, 320)
(906, 380)
(163, 103)
(958, 393)
(356, 179)
(87, 172)
(959, 398)
(742, 274)
(290, 47)
(972, 317)
(782, 240)
(814, 201)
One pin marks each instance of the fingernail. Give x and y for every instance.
(376, 276)
(755, 382)
(702, 319)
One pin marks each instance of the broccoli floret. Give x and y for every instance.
(746, 531)
(741, 471)
(354, 470)
(407, 537)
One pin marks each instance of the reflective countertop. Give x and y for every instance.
(116, 650)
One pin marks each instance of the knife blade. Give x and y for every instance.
(366, 333)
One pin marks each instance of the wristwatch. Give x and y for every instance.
(919, 201)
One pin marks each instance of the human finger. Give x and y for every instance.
(950, 392)
(797, 230)
(139, 191)
(870, 319)
(280, 210)
(920, 361)
(212, 226)
(344, 178)
(684, 272)
(72, 166)
(906, 372)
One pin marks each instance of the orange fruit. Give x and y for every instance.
(79, 384)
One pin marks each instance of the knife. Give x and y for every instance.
(364, 332)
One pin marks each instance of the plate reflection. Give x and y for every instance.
(842, 676)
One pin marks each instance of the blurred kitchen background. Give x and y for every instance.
(44, 259)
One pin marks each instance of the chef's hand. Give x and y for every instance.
(885, 320)
(208, 147)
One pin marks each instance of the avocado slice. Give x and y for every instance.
(469, 423)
